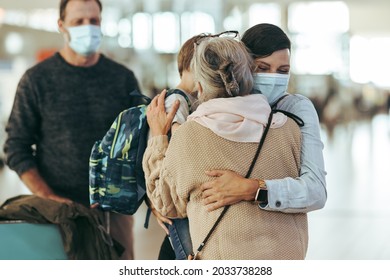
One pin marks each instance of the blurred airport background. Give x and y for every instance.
(340, 60)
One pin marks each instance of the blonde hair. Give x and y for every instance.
(223, 67)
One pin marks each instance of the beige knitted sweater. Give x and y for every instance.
(173, 176)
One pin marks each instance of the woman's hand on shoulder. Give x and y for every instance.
(158, 120)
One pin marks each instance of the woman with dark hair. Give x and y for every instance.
(264, 39)
(270, 47)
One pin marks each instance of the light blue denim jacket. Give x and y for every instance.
(308, 192)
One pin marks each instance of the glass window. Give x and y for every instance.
(318, 53)
(265, 13)
(370, 60)
(194, 23)
(110, 18)
(13, 43)
(42, 19)
(124, 30)
(318, 32)
(359, 63)
(166, 32)
(142, 31)
(318, 17)
(234, 20)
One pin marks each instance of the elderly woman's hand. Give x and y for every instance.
(161, 220)
(159, 121)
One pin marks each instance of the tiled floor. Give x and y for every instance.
(355, 223)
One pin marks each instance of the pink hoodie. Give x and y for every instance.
(239, 119)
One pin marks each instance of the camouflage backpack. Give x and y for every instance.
(116, 178)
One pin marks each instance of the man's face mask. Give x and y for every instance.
(85, 39)
(272, 85)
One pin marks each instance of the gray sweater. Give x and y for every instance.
(59, 112)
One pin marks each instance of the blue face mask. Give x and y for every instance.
(85, 39)
(272, 85)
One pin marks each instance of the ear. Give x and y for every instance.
(200, 89)
(63, 31)
(61, 27)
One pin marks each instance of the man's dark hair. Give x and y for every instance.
(63, 4)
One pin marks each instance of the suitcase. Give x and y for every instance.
(20, 240)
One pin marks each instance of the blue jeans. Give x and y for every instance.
(179, 233)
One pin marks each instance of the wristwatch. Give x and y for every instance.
(262, 192)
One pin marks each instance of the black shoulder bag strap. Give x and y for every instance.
(294, 117)
(297, 119)
(201, 246)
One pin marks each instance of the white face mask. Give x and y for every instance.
(85, 39)
(272, 85)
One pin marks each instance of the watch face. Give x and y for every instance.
(263, 195)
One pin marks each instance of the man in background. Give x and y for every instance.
(62, 106)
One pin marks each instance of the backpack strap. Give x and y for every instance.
(147, 217)
(277, 101)
(180, 92)
(139, 98)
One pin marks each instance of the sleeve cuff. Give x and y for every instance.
(160, 142)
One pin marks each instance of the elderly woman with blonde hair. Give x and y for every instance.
(224, 133)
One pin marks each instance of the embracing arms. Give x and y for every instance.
(297, 195)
